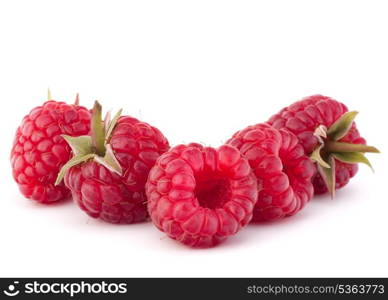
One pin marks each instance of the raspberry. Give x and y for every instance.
(39, 151)
(327, 132)
(282, 170)
(107, 177)
(200, 195)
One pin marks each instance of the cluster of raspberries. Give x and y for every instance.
(122, 170)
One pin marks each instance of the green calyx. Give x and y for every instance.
(94, 147)
(331, 149)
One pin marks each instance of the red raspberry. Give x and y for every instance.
(199, 195)
(326, 130)
(107, 180)
(39, 151)
(282, 170)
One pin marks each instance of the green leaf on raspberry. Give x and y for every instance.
(316, 156)
(112, 125)
(80, 145)
(109, 161)
(353, 158)
(76, 160)
(330, 148)
(96, 146)
(341, 127)
(328, 175)
(107, 120)
(341, 147)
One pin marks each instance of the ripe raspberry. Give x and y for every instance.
(282, 170)
(107, 176)
(199, 195)
(39, 151)
(328, 134)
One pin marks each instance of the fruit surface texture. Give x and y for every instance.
(282, 170)
(304, 118)
(107, 180)
(39, 151)
(200, 195)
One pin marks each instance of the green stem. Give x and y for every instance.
(332, 147)
(98, 133)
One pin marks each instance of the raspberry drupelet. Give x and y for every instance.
(39, 151)
(200, 195)
(108, 173)
(282, 170)
(327, 131)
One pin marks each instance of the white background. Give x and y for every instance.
(199, 71)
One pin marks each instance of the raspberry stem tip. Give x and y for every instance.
(49, 96)
(98, 132)
(76, 102)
